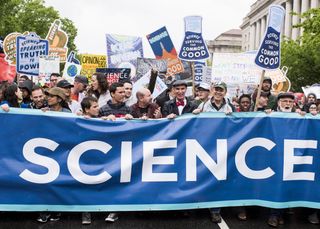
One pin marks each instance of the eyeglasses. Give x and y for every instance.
(286, 101)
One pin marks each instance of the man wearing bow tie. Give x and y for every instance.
(180, 104)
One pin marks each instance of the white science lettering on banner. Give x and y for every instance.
(29, 50)
(193, 150)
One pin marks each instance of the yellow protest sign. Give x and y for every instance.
(91, 62)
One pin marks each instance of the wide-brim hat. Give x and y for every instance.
(57, 92)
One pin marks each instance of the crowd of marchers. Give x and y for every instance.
(98, 99)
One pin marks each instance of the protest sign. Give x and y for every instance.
(195, 165)
(48, 65)
(312, 89)
(72, 58)
(29, 48)
(235, 68)
(7, 72)
(58, 40)
(10, 47)
(90, 63)
(199, 71)
(160, 86)
(123, 51)
(115, 75)
(163, 48)
(144, 65)
(193, 47)
(268, 56)
(71, 70)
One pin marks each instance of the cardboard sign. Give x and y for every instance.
(48, 65)
(123, 51)
(71, 70)
(10, 48)
(163, 48)
(235, 68)
(72, 58)
(29, 48)
(193, 47)
(313, 89)
(144, 82)
(199, 71)
(58, 40)
(7, 72)
(90, 63)
(115, 75)
(146, 64)
(268, 56)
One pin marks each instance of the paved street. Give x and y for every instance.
(162, 220)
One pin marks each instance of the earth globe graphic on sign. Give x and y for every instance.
(72, 70)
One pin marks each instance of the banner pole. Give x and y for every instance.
(259, 90)
(192, 73)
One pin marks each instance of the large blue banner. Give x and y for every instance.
(57, 161)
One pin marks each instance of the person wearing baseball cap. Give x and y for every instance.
(217, 103)
(79, 87)
(66, 86)
(203, 93)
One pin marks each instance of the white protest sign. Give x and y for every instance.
(160, 86)
(235, 68)
(312, 89)
(71, 70)
(48, 65)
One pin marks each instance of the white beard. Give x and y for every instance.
(285, 109)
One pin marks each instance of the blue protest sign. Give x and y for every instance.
(1, 45)
(114, 75)
(199, 71)
(29, 48)
(193, 47)
(190, 162)
(72, 58)
(268, 56)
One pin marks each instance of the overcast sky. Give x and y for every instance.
(95, 18)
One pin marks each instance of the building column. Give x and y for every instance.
(304, 8)
(314, 3)
(263, 27)
(295, 19)
(288, 20)
(257, 39)
(252, 36)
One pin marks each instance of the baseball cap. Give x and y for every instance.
(81, 79)
(220, 84)
(64, 84)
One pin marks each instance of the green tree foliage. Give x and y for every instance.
(302, 56)
(32, 15)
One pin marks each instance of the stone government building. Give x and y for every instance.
(254, 24)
